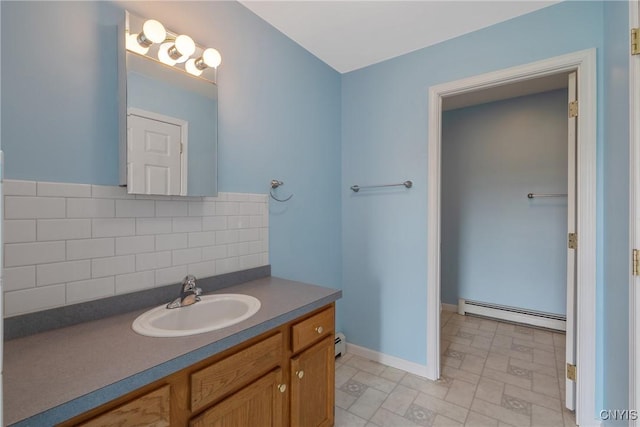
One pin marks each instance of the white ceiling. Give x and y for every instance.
(349, 34)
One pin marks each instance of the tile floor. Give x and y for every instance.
(493, 374)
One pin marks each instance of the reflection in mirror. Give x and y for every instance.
(171, 140)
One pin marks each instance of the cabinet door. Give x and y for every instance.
(260, 403)
(312, 386)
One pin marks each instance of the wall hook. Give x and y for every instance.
(275, 184)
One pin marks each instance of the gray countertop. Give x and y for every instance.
(53, 376)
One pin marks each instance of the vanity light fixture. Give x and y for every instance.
(178, 51)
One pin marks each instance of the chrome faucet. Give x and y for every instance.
(189, 293)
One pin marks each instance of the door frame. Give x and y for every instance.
(584, 62)
(634, 212)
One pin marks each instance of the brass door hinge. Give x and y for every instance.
(635, 41)
(573, 241)
(573, 109)
(572, 372)
(636, 262)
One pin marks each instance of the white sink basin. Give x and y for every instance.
(210, 313)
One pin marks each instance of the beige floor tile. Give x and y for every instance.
(534, 367)
(502, 414)
(543, 337)
(475, 419)
(559, 339)
(477, 332)
(546, 384)
(490, 390)
(344, 400)
(544, 417)
(460, 375)
(466, 348)
(569, 418)
(347, 419)
(442, 421)
(344, 374)
(472, 363)
(439, 406)
(385, 418)
(433, 388)
(367, 404)
(544, 347)
(489, 325)
(461, 393)
(481, 342)
(507, 378)
(502, 341)
(374, 381)
(450, 361)
(458, 339)
(392, 374)
(400, 399)
(544, 357)
(497, 361)
(365, 365)
(533, 397)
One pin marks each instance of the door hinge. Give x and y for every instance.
(635, 41)
(181, 147)
(636, 262)
(572, 372)
(573, 109)
(573, 241)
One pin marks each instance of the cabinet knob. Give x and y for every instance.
(319, 329)
(300, 374)
(282, 388)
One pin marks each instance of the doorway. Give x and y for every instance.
(584, 63)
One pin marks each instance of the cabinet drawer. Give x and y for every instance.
(312, 329)
(150, 410)
(234, 372)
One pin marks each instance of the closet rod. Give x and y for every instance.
(532, 195)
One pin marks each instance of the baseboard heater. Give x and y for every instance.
(512, 314)
(341, 344)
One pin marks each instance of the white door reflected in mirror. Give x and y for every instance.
(157, 153)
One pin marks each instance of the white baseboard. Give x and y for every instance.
(385, 359)
(449, 307)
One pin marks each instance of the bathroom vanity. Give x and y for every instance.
(275, 368)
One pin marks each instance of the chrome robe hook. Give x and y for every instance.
(275, 184)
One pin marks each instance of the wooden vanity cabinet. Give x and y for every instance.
(284, 377)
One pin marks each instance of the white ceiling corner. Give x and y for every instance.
(350, 34)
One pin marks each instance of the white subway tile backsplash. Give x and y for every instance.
(202, 269)
(111, 266)
(135, 208)
(88, 290)
(126, 283)
(187, 224)
(214, 223)
(61, 272)
(214, 252)
(67, 243)
(153, 225)
(18, 254)
(19, 230)
(16, 278)
(15, 187)
(36, 299)
(90, 208)
(134, 245)
(63, 229)
(226, 236)
(172, 208)
(202, 238)
(153, 260)
(57, 189)
(171, 275)
(113, 227)
(187, 256)
(172, 241)
(24, 207)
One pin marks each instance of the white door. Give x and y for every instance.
(153, 156)
(571, 253)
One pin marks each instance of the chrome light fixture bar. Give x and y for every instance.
(150, 39)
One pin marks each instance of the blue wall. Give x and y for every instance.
(384, 138)
(615, 342)
(498, 246)
(279, 113)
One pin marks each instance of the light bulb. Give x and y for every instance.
(163, 54)
(182, 48)
(152, 32)
(134, 46)
(211, 57)
(191, 67)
